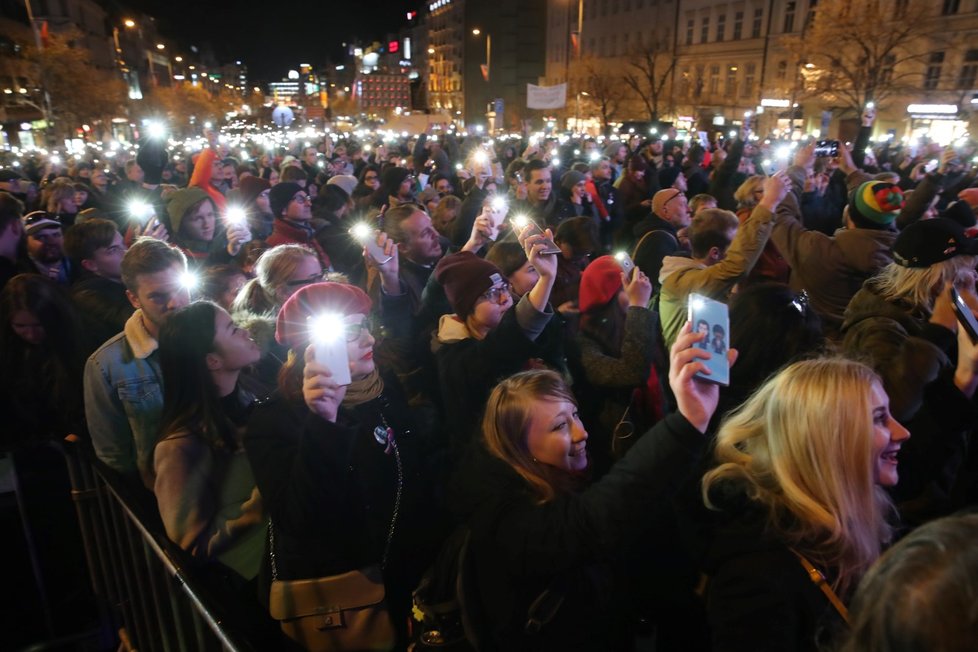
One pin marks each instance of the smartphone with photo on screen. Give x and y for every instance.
(712, 318)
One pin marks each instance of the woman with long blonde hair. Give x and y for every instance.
(800, 482)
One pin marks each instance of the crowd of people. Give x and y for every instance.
(340, 363)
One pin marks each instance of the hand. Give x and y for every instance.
(947, 156)
(646, 202)
(545, 264)
(918, 173)
(569, 309)
(154, 229)
(696, 399)
(320, 393)
(638, 290)
(845, 159)
(238, 236)
(869, 116)
(966, 373)
(390, 279)
(776, 188)
(481, 233)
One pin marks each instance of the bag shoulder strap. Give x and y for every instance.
(819, 580)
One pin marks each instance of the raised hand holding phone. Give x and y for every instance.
(320, 391)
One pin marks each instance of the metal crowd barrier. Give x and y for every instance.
(144, 588)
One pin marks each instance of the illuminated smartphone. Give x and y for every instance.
(626, 262)
(965, 317)
(329, 345)
(368, 238)
(549, 246)
(711, 317)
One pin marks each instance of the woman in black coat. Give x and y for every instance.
(339, 466)
(540, 535)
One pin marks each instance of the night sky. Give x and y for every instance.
(270, 37)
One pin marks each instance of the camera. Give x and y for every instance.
(827, 148)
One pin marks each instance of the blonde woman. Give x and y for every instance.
(799, 484)
(902, 322)
(280, 272)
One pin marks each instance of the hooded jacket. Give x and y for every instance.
(682, 276)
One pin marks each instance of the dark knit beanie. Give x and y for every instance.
(281, 195)
(466, 277)
(152, 158)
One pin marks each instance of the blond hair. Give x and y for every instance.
(802, 446)
(919, 286)
(744, 195)
(507, 420)
(274, 268)
(59, 190)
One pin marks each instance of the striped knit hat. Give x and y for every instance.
(876, 201)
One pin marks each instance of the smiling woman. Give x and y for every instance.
(802, 467)
(539, 530)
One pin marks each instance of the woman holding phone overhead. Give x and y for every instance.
(334, 453)
(540, 535)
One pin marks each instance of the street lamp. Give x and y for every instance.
(476, 32)
(129, 22)
(160, 46)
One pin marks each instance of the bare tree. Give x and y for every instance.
(852, 53)
(601, 88)
(650, 66)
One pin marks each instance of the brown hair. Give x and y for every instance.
(84, 238)
(507, 419)
(149, 256)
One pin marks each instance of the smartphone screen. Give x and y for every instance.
(711, 317)
(827, 148)
(550, 247)
(626, 262)
(965, 316)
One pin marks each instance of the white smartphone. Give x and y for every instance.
(711, 317)
(367, 237)
(626, 262)
(329, 344)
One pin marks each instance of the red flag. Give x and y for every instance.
(44, 33)
(576, 43)
(485, 71)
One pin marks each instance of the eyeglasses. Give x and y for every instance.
(494, 293)
(302, 199)
(315, 278)
(355, 331)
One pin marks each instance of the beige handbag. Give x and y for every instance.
(340, 612)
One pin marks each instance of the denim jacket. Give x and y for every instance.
(124, 400)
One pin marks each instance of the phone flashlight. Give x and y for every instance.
(360, 231)
(870, 105)
(155, 130)
(481, 157)
(236, 215)
(520, 222)
(140, 210)
(498, 204)
(189, 281)
(458, 166)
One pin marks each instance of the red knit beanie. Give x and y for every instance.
(292, 328)
(600, 283)
(466, 277)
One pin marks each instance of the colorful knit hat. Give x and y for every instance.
(876, 201)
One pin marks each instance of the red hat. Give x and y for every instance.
(600, 283)
(292, 326)
(466, 277)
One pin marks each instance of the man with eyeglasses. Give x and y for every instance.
(670, 213)
(292, 208)
(45, 246)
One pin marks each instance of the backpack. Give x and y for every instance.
(447, 602)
